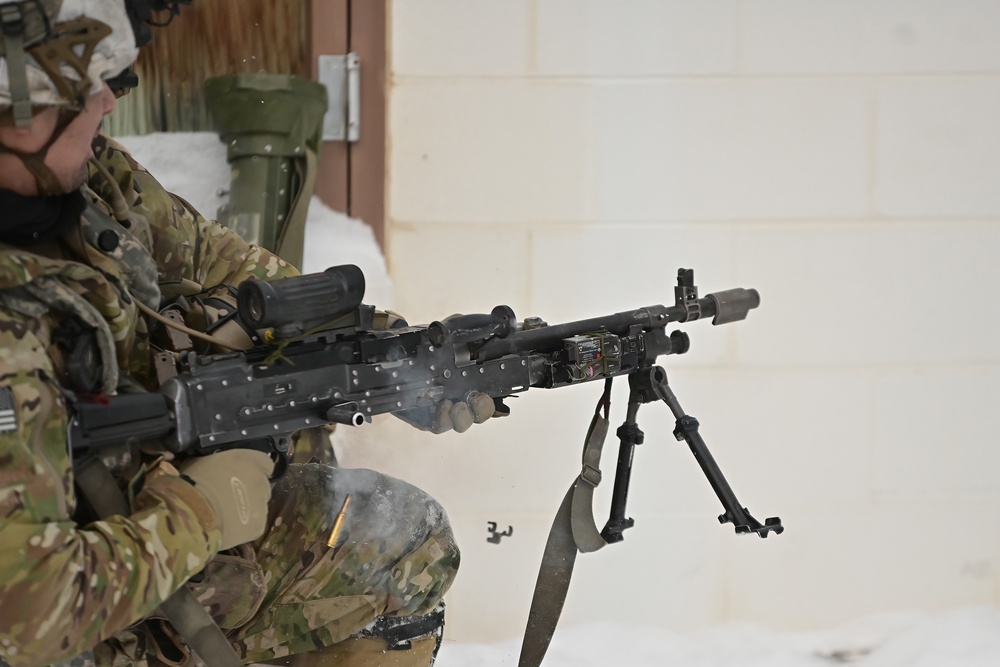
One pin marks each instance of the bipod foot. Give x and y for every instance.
(745, 523)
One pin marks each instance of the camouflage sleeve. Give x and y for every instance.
(184, 243)
(65, 588)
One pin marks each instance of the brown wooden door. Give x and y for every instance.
(352, 175)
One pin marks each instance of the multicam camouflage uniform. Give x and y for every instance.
(65, 588)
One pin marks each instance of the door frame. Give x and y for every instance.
(352, 176)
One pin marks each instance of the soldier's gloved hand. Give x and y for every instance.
(450, 415)
(447, 415)
(235, 483)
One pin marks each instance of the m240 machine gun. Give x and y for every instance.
(318, 359)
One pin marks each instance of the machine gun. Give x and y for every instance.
(319, 360)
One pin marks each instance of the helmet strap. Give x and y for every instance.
(12, 21)
(46, 181)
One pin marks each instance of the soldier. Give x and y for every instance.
(90, 244)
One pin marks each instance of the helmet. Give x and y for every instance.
(59, 52)
(140, 13)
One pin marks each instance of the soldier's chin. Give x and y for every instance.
(76, 180)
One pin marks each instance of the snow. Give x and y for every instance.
(193, 165)
(959, 638)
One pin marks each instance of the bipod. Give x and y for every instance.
(574, 531)
(648, 385)
(652, 384)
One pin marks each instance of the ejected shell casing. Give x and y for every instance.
(338, 523)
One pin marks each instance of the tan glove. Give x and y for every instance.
(449, 415)
(235, 483)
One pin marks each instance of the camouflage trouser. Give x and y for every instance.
(290, 593)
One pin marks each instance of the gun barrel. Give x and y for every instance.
(728, 306)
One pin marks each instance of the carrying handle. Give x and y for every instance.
(500, 323)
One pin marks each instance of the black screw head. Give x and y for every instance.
(108, 240)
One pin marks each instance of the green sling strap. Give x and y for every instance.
(572, 530)
(292, 238)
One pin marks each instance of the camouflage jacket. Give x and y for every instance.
(64, 588)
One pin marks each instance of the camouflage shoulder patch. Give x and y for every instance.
(8, 418)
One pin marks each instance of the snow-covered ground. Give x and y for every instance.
(961, 638)
(194, 166)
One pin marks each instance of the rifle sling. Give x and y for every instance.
(292, 238)
(182, 609)
(585, 533)
(572, 530)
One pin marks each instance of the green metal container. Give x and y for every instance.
(271, 126)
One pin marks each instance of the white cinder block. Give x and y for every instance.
(864, 37)
(577, 154)
(834, 566)
(532, 152)
(439, 270)
(870, 294)
(938, 148)
(724, 150)
(636, 38)
(612, 267)
(789, 441)
(609, 268)
(459, 37)
(490, 151)
(934, 435)
(681, 559)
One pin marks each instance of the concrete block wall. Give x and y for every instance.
(841, 156)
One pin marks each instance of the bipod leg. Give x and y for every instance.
(687, 430)
(629, 435)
